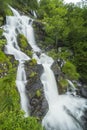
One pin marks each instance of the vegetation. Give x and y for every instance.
(23, 43)
(65, 27)
(14, 120)
(33, 61)
(38, 93)
(70, 70)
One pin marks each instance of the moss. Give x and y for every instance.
(22, 41)
(9, 12)
(23, 44)
(63, 83)
(38, 93)
(1, 21)
(1, 31)
(33, 74)
(29, 53)
(33, 62)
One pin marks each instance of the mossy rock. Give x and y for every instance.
(33, 74)
(63, 84)
(38, 93)
(24, 45)
(22, 41)
(33, 62)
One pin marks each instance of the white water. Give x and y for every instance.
(12, 48)
(65, 111)
(71, 88)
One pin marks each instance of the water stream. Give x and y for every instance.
(12, 48)
(65, 111)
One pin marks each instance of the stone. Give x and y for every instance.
(38, 104)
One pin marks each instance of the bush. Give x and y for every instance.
(70, 70)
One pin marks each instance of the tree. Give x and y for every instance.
(53, 14)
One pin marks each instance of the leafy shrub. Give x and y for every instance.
(70, 70)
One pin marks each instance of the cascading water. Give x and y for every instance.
(12, 48)
(65, 111)
(21, 82)
(71, 88)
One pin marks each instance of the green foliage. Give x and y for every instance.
(80, 49)
(9, 98)
(53, 12)
(64, 54)
(1, 31)
(8, 94)
(2, 43)
(70, 70)
(14, 120)
(2, 56)
(4, 9)
(25, 6)
(53, 54)
(67, 23)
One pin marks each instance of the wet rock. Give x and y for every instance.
(56, 69)
(35, 91)
(39, 33)
(84, 91)
(59, 75)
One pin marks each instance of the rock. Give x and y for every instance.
(56, 69)
(35, 91)
(39, 33)
(84, 92)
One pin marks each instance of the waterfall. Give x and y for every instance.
(65, 111)
(71, 88)
(12, 48)
(48, 79)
